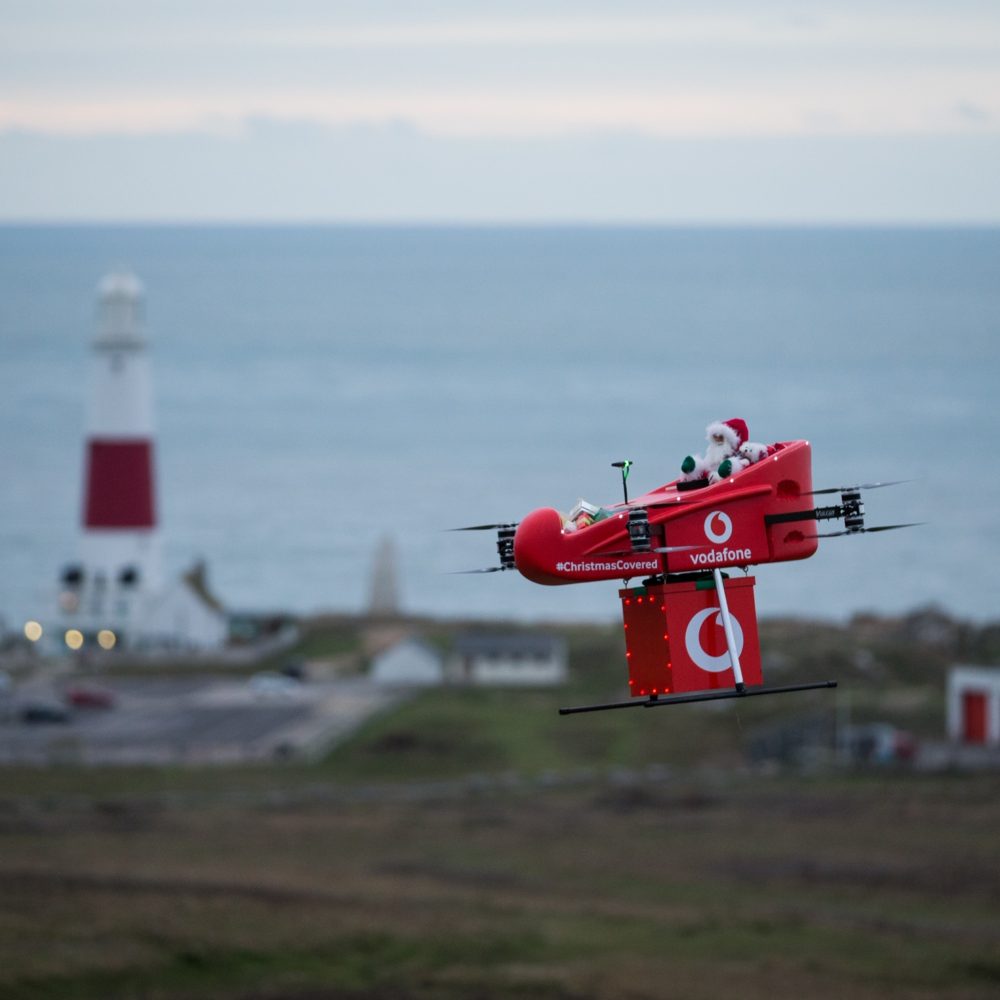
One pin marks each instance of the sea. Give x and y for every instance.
(323, 391)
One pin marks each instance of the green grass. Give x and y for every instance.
(327, 639)
(364, 963)
(457, 731)
(448, 732)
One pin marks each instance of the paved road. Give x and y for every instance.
(195, 720)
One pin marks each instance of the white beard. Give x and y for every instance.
(715, 454)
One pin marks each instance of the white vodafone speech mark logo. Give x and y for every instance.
(692, 642)
(720, 518)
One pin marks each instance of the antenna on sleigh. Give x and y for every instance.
(624, 465)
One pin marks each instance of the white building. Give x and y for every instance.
(409, 662)
(530, 659)
(183, 615)
(974, 705)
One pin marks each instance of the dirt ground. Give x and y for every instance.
(884, 886)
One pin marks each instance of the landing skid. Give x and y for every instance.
(683, 699)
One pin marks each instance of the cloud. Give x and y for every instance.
(435, 108)
(666, 107)
(775, 68)
(394, 172)
(967, 111)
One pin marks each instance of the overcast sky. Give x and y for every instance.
(772, 111)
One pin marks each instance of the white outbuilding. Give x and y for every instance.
(529, 659)
(409, 662)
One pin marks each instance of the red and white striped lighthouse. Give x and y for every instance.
(120, 546)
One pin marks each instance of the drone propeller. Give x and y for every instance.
(484, 527)
(862, 486)
(662, 548)
(505, 545)
(859, 531)
(466, 572)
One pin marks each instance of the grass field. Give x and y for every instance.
(473, 844)
(683, 888)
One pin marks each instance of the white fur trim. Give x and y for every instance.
(699, 471)
(738, 465)
(718, 427)
(754, 451)
(715, 454)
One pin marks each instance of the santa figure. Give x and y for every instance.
(728, 452)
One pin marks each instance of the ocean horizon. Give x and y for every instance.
(321, 387)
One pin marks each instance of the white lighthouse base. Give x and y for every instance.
(180, 616)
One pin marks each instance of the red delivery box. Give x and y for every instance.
(675, 641)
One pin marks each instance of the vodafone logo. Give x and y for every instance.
(718, 527)
(692, 640)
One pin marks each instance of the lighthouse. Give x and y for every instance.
(114, 595)
(119, 546)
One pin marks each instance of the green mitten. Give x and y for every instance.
(725, 468)
(687, 466)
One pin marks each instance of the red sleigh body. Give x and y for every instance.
(725, 524)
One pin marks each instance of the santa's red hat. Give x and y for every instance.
(734, 431)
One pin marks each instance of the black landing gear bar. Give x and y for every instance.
(655, 701)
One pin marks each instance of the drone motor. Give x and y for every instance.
(505, 545)
(638, 529)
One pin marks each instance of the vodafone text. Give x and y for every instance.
(720, 556)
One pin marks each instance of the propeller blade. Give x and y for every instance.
(484, 527)
(865, 531)
(639, 552)
(466, 572)
(862, 486)
(655, 505)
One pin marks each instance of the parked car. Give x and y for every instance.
(82, 696)
(270, 683)
(296, 669)
(44, 711)
(878, 743)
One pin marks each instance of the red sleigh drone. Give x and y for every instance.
(678, 539)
